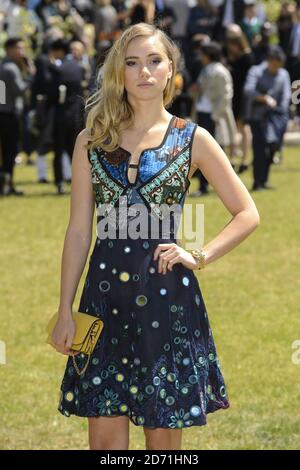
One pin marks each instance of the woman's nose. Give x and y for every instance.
(144, 70)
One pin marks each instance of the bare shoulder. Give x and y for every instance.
(80, 155)
(83, 137)
(208, 155)
(210, 158)
(204, 144)
(82, 196)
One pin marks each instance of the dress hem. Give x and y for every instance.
(203, 423)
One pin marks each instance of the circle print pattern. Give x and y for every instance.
(155, 361)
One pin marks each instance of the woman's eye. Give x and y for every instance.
(132, 62)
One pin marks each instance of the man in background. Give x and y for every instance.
(16, 72)
(268, 94)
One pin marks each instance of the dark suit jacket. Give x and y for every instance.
(239, 7)
(45, 80)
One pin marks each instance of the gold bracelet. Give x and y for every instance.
(199, 255)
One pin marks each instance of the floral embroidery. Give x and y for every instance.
(108, 402)
(169, 186)
(107, 191)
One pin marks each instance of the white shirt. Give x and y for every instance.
(203, 105)
(228, 17)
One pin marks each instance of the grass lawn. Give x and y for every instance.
(252, 298)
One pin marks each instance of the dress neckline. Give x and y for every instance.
(137, 164)
(158, 146)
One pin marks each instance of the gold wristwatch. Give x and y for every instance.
(199, 255)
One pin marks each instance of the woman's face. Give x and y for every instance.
(146, 62)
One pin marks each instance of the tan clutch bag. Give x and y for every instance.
(88, 330)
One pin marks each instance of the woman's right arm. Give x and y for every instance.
(76, 244)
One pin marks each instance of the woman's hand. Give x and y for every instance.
(170, 254)
(63, 334)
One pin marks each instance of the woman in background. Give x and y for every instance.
(239, 60)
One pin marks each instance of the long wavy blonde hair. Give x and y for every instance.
(108, 110)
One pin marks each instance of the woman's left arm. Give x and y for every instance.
(208, 156)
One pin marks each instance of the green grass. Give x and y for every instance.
(251, 295)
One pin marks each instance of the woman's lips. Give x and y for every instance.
(146, 85)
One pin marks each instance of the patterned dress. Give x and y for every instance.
(155, 360)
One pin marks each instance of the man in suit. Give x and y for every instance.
(231, 11)
(13, 70)
(268, 93)
(44, 98)
(68, 115)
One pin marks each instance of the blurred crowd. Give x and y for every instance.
(234, 77)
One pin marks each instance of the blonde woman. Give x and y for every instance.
(155, 363)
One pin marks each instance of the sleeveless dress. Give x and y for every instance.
(155, 360)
